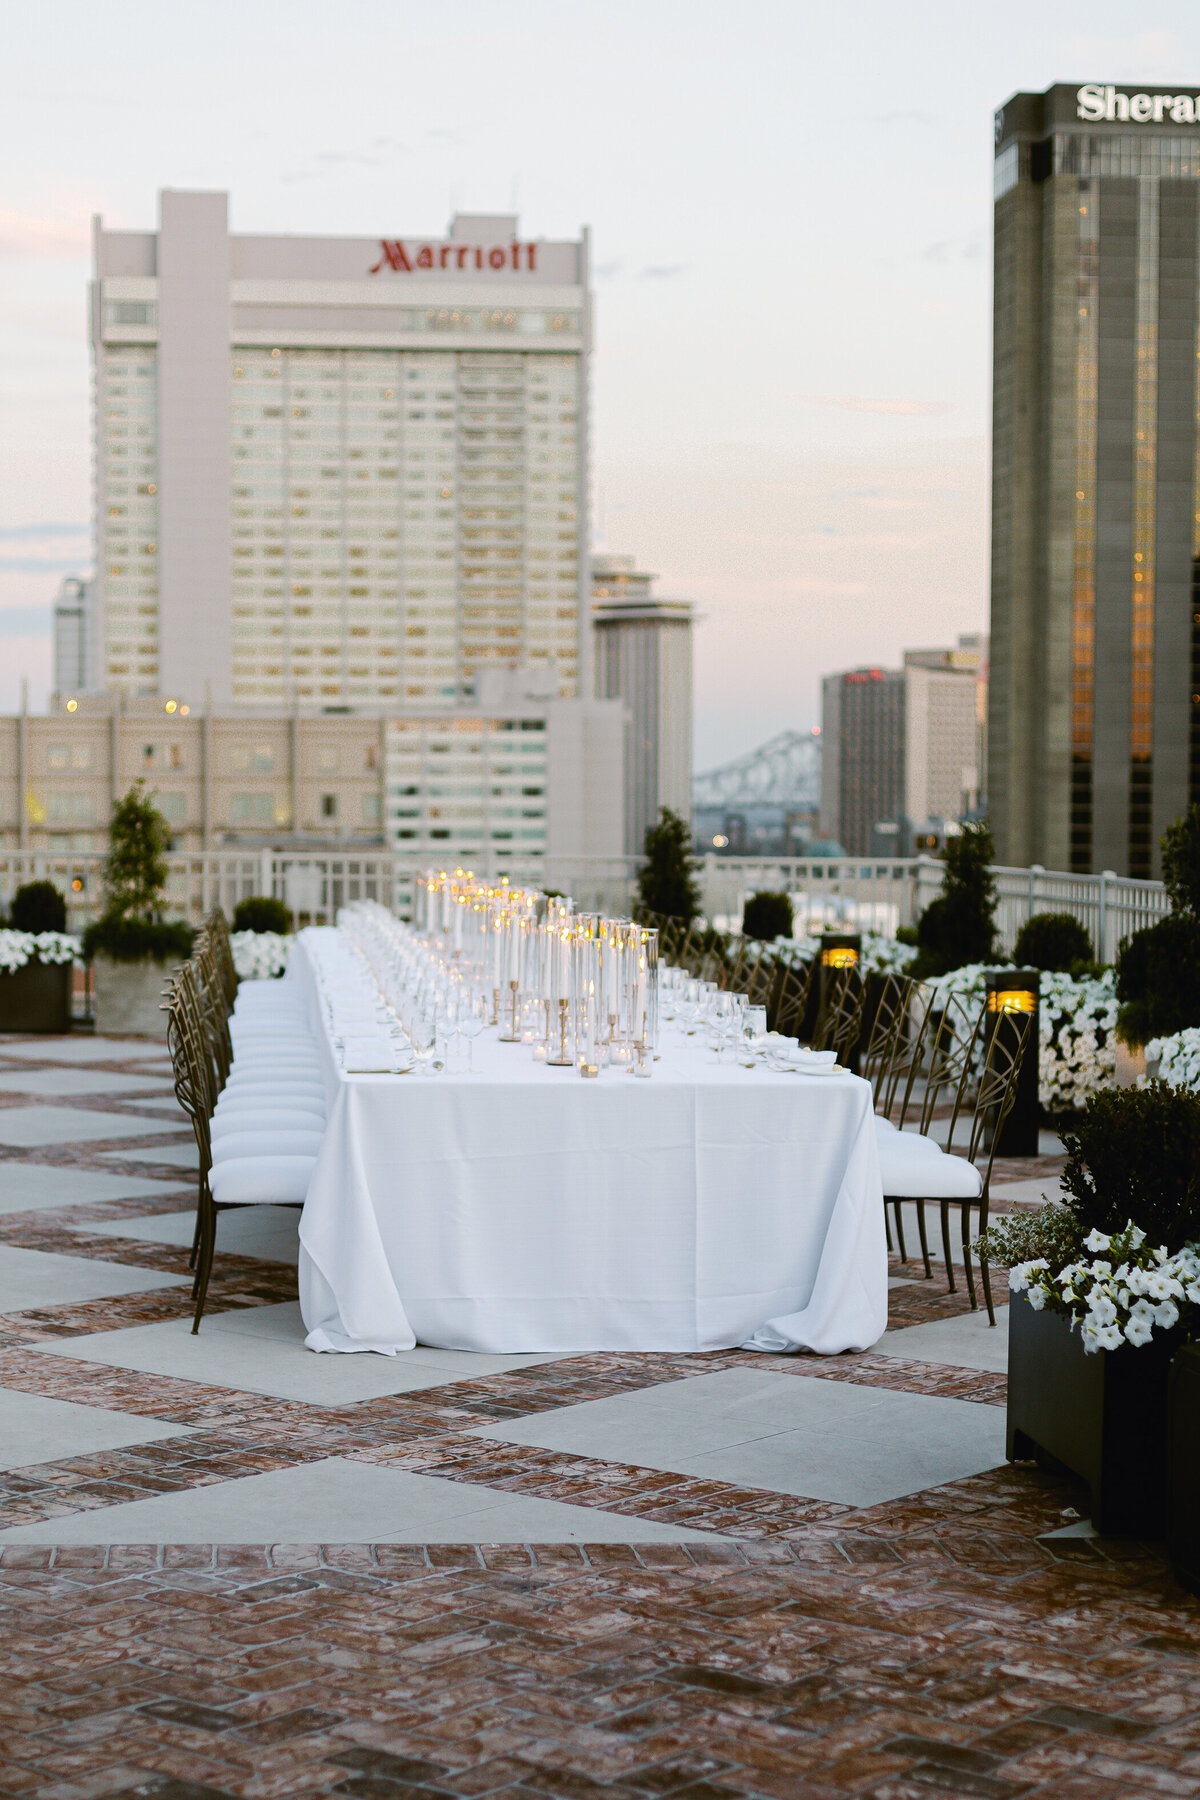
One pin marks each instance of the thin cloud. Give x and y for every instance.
(42, 240)
(55, 528)
(663, 271)
(913, 409)
(41, 565)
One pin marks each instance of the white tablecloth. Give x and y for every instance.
(524, 1209)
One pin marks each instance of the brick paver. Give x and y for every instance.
(939, 1644)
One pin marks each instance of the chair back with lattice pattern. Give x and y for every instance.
(900, 1067)
(839, 1024)
(187, 1040)
(941, 1058)
(217, 926)
(1005, 1049)
(791, 1003)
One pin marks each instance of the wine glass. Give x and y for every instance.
(472, 1017)
(754, 1034)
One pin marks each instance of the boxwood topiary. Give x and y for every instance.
(262, 913)
(1052, 940)
(1158, 979)
(139, 940)
(767, 916)
(1135, 1154)
(38, 906)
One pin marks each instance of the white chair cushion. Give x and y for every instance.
(258, 1142)
(908, 1143)
(296, 1061)
(928, 1177)
(283, 1037)
(261, 1180)
(288, 1098)
(282, 1083)
(264, 1118)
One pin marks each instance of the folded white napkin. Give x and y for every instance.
(790, 1051)
(368, 1055)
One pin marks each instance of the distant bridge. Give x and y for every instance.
(786, 771)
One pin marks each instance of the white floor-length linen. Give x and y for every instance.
(524, 1209)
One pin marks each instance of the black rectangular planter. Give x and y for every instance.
(1183, 1467)
(36, 997)
(1103, 1417)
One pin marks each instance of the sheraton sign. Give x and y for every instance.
(409, 257)
(1097, 102)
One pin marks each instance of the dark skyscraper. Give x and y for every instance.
(1094, 728)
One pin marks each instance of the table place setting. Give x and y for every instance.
(588, 1150)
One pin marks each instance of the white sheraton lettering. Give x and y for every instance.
(1097, 102)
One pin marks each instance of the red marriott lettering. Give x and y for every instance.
(396, 254)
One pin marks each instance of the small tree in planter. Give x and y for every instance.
(959, 926)
(1105, 1289)
(37, 961)
(666, 880)
(131, 943)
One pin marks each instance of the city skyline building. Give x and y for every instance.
(75, 647)
(339, 471)
(1094, 730)
(903, 750)
(643, 658)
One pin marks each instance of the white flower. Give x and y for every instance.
(1096, 1240)
(260, 955)
(19, 947)
(1166, 1315)
(1037, 1298)
(1139, 1331)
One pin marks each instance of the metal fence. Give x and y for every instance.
(864, 893)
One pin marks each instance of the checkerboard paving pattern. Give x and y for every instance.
(945, 1641)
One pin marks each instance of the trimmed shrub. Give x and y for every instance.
(666, 880)
(1158, 979)
(767, 916)
(38, 906)
(262, 913)
(1052, 940)
(1135, 1154)
(139, 940)
(1181, 863)
(958, 927)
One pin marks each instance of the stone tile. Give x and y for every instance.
(820, 1439)
(270, 1232)
(32, 1279)
(335, 1501)
(255, 1354)
(81, 1049)
(78, 1081)
(1033, 1191)
(965, 1341)
(184, 1156)
(34, 1187)
(34, 1429)
(29, 1127)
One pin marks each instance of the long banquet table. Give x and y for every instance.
(520, 1208)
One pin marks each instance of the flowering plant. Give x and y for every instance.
(880, 955)
(20, 947)
(260, 955)
(1077, 1030)
(1177, 1057)
(1123, 1294)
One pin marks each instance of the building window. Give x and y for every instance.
(329, 806)
(252, 809)
(173, 807)
(372, 811)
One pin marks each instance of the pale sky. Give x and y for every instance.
(791, 216)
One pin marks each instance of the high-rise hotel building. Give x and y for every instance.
(339, 472)
(1094, 720)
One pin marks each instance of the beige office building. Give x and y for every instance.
(532, 781)
(338, 472)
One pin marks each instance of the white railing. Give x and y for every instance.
(863, 893)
